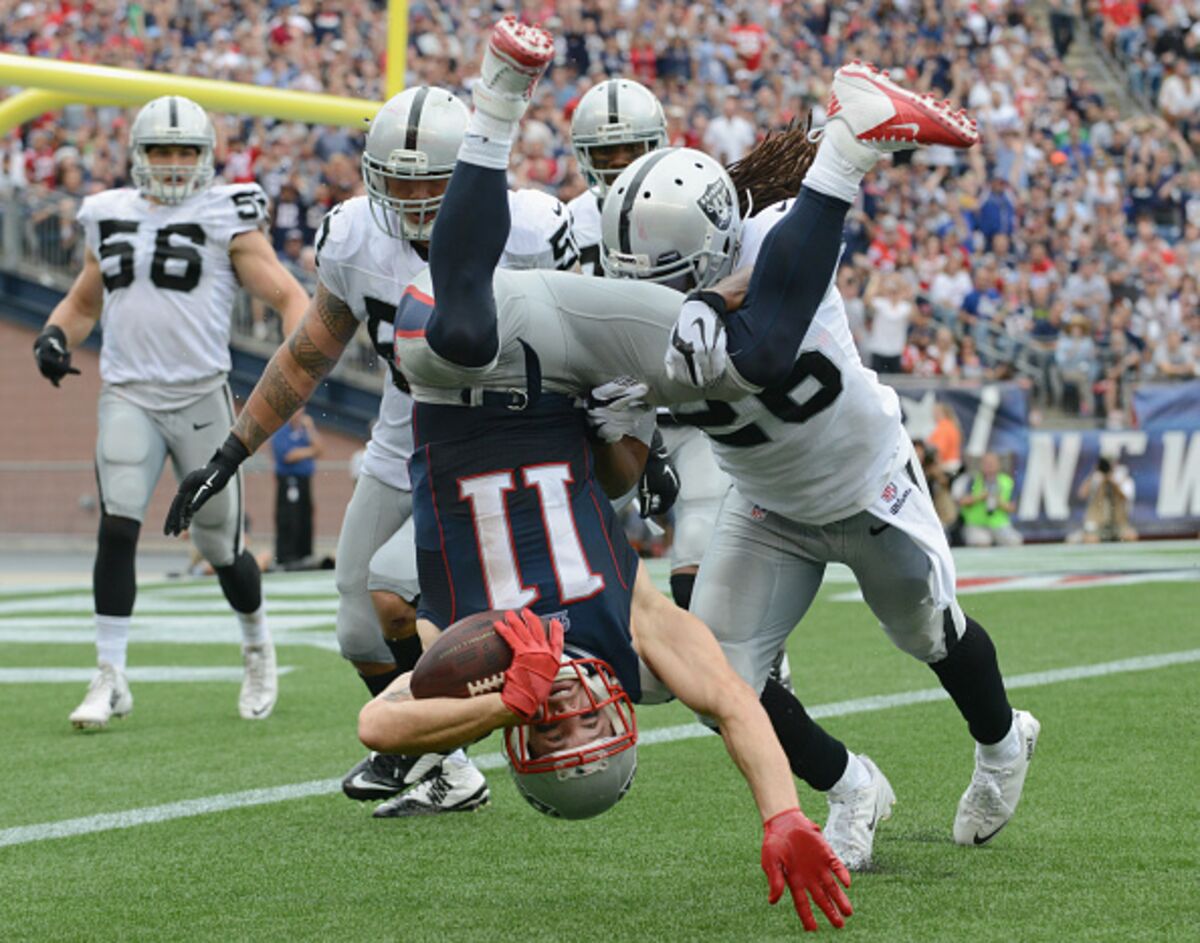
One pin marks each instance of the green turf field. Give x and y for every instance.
(185, 822)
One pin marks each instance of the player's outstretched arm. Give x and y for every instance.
(292, 375)
(394, 722)
(70, 322)
(685, 656)
(264, 277)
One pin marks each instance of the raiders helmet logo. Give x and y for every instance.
(717, 205)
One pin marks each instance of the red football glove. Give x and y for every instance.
(528, 680)
(795, 852)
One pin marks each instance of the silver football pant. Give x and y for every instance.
(375, 552)
(762, 572)
(702, 487)
(132, 445)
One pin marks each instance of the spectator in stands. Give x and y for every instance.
(1109, 493)
(987, 506)
(889, 305)
(729, 135)
(1075, 357)
(950, 287)
(939, 489)
(1119, 368)
(296, 447)
(1175, 359)
(1179, 95)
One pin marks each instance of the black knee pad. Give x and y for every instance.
(241, 582)
(114, 579)
(970, 673)
(814, 756)
(682, 585)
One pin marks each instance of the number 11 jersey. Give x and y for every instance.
(169, 283)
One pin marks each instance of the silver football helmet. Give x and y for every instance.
(171, 120)
(618, 111)
(672, 217)
(415, 136)
(577, 777)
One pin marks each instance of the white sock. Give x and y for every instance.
(832, 172)
(112, 639)
(488, 141)
(254, 627)
(1002, 752)
(856, 776)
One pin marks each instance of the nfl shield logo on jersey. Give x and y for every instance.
(758, 514)
(717, 205)
(889, 493)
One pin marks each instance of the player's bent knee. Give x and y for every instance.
(216, 544)
(397, 617)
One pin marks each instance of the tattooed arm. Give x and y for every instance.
(396, 723)
(297, 368)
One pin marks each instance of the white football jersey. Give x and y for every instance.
(369, 272)
(824, 448)
(818, 452)
(169, 284)
(585, 224)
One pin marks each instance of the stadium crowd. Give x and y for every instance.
(1063, 251)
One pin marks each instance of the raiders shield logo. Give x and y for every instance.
(717, 205)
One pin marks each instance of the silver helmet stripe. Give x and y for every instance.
(414, 119)
(623, 221)
(614, 113)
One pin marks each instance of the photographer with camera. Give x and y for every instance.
(986, 507)
(1108, 491)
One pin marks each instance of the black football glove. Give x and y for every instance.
(200, 485)
(659, 484)
(53, 358)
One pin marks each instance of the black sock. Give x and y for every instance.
(682, 585)
(241, 582)
(970, 674)
(377, 684)
(405, 651)
(114, 580)
(815, 756)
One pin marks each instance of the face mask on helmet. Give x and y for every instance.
(410, 153)
(615, 123)
(580, 759)
(177, 125)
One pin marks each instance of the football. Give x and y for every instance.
(467, 660)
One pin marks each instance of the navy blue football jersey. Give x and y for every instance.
(508, 513)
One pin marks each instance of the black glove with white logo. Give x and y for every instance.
(200, 485)
(659, 484)
(53, 358)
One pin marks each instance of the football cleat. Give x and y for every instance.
(515, 59)
(260, 683)
(453, 786)
(881, 117)
(382, 775)
(992, 797)
(107, 696)
(850, 828)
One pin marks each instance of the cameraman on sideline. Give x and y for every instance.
(986, 507)
(1108, 492)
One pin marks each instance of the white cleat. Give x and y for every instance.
(454, 786)
(850, 828)
(992, 797)
(515, 59)
(260, 682)
(107, 696)
(868, 114)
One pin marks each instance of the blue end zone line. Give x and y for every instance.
(25, 834)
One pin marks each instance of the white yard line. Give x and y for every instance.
(67, 828)
(140, 675)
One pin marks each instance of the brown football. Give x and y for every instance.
(468, 659)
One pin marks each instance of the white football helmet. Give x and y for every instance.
(671, 216)
(171, 119)
(580, 780)
(618, 111)
(415, 136)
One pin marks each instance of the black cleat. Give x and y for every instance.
(383, 775)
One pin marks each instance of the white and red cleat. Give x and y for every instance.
(515, 59)
(885, 117)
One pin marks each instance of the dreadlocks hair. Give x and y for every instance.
(773, 170)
